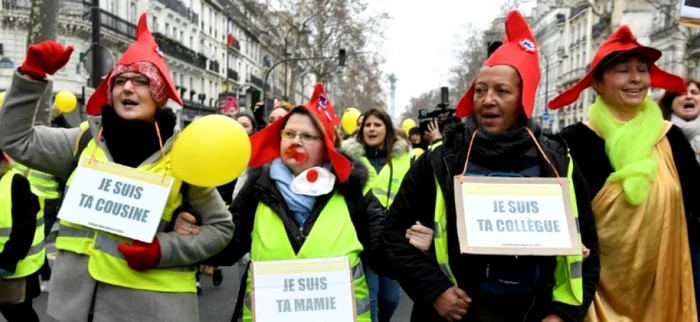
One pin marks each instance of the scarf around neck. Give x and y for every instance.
(629, 146)
(132, 142)
(300, 205)
(502, 145)
(691, 129)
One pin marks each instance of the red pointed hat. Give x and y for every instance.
(622, 41)
(266, 143)
(144, 49)
(519, 50)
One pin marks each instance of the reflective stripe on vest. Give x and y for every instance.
(36, 255)
(43, 184)
(332, 235)
(106, 263)
(385, 184)
(568, 273)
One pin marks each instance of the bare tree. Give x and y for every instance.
(319, 28)
(668, 15)
(43, 23)
(426, 100)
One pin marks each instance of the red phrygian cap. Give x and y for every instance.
(519, 50)
(144, 49)
(266, 143)
(620, 42)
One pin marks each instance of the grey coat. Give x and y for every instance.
(72, 288)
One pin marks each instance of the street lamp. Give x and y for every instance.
(341, 63)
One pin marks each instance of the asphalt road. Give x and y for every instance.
(216, 303)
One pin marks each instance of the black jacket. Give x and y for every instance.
(25, 206)
(418, 272)
(365, 211)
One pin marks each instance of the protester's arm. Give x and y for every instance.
(417, 272)
(243, 210)
(25, 207)
(591, 265)
(214, 234)
(42, 148)
(368, 218)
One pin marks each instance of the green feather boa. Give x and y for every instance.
(629, 146)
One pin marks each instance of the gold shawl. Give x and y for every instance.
(646, 272)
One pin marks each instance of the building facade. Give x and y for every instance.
(194, 35)
(582, 29)
(549, 41)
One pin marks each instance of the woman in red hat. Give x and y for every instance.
(642, 175)
(98, 275)
(303, 199)
(498, 139)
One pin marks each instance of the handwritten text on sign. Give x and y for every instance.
(303, 290)
(515, 215)
(116, 199)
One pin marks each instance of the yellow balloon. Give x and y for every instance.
(349, 120)
(211, 151)
(2, 98)
(65, 101)
(407, 125)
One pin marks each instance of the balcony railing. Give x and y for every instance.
(232, 74)
(214, 66)
(256, 81)
(181, 9)
(118, 25)
(576, 10)
(177, 50)
(598, 28)
(195, 108)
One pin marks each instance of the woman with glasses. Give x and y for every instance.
(301, 187)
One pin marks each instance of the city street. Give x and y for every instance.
(216, 304)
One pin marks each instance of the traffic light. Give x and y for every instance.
(341, 57)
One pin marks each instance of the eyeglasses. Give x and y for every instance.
(305, 137)
(136, 81)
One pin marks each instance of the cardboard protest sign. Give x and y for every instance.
(690, 13)
(116, 199)
(310, 290)
(515, 216)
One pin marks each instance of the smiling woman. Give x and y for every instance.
(641, 173)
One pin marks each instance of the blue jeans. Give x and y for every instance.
(695, 260)
(384, 295)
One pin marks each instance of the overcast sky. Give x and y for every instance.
(421, 38)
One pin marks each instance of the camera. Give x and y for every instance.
(442, 114)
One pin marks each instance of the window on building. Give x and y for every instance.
(191, 42)
(167, 29)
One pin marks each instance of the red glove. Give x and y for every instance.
(141, 256)
(45, 58)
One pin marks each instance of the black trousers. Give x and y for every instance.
(23, 312)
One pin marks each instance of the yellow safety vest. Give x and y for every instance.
(332, 235)
(385, 184)
(37, 253)
(568, 273)
(43, 184)
(106, 263)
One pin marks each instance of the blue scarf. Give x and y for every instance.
(300, 205)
